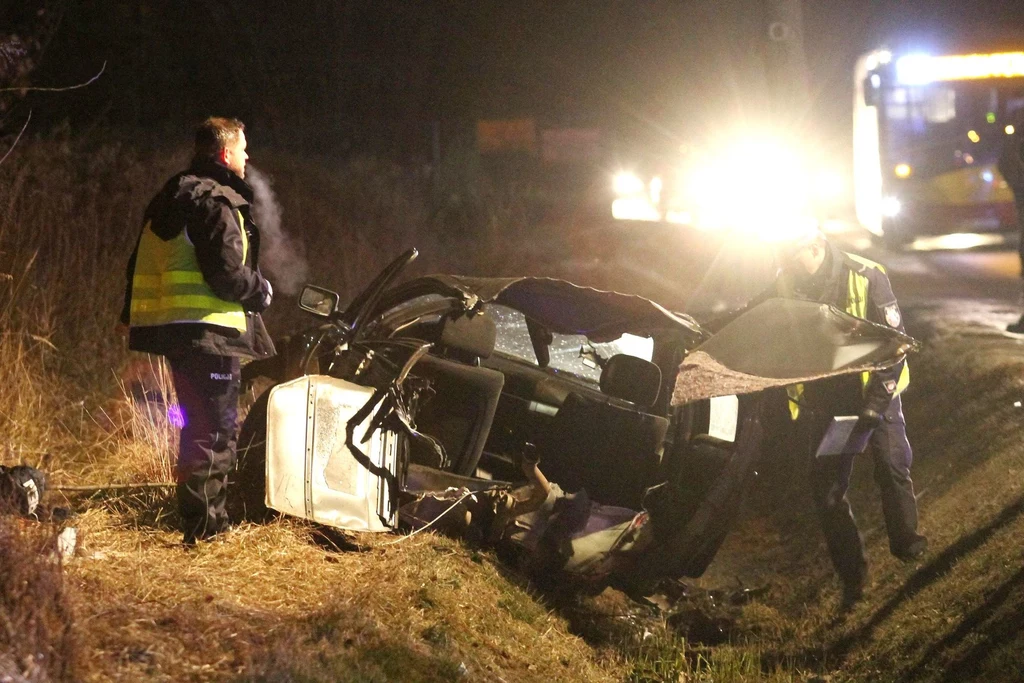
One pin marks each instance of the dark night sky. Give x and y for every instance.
(373, 75)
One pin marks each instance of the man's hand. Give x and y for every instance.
(269, 295)
(869, 419)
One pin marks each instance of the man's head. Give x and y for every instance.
(803, 257)
(222, 140)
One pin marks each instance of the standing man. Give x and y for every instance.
(813, 269)
(1011, 167)
(194, 294)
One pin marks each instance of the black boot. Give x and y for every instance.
(853, 592)
(913, 550)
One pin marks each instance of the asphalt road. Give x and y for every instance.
(703, 275)
(978, 285)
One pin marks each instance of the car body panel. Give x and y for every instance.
(556, 304)
(312, 470)
(796, 341)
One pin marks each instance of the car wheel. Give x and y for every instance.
(248, 490)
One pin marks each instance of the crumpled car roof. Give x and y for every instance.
(558, 305)
(786, 341)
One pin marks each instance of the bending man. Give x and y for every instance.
(814, 269)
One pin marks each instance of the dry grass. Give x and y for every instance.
(37, 638)
(268, 603)
(277, 602)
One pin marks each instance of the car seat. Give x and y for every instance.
(610, 448)
(460, 408)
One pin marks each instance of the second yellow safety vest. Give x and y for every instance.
(856, 305)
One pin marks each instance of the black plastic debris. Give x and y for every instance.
(21, 490)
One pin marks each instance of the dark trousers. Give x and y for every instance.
(830, 479)
(207, 387)
(1018, 200)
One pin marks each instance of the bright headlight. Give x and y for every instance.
(891, 207)
(758, 185)
(828, 185)
(626, 183)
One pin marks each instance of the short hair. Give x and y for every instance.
(216, 133)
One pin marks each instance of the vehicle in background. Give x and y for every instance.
(928, 131)
(747, 183)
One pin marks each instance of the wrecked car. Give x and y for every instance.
(597, 436)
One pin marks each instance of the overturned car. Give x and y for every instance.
(597, 436)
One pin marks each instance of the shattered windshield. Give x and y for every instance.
(565, 349)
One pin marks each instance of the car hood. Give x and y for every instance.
(558, 305)
(786, 341)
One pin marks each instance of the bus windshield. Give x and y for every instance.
(947, 121)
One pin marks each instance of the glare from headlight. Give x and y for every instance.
(656, 186)
(626, 184)
(828, 185)
(891, 207)
(788, 230)
(757, 186)
(634, 209)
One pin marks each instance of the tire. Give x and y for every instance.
(247, 491)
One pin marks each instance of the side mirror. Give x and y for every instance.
(318, 301)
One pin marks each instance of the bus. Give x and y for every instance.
(928, 134)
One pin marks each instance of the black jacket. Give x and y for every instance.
(202, 200)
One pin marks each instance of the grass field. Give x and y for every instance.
(287, 602)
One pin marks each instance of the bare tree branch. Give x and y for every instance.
(20, 133)
(62, 89)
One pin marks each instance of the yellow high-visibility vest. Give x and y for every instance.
(856, 305)
(168, 286)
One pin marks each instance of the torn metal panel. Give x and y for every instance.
(312, 472)
(688, 539)
(558, 305)
(786, 341)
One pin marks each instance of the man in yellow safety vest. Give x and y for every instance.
(814, 269)
(194, 294)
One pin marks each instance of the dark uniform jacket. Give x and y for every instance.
(202, 200)
(830, 285)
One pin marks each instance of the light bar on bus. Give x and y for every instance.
(922, 69)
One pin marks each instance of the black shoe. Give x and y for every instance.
(190, 540)
(1017, 327)
(913, 551)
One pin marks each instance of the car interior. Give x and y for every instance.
(458, 408)
(485, 407)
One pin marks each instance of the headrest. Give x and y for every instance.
(632, 379)
(472, 335)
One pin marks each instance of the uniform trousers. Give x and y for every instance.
(207, 387)
(891, 457)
